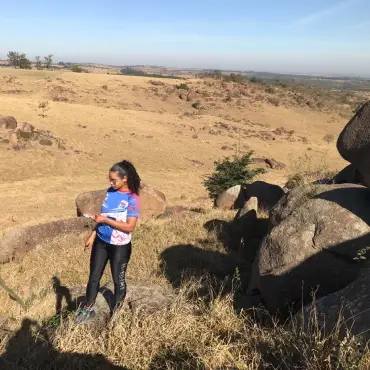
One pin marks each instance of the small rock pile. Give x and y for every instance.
(26, 135)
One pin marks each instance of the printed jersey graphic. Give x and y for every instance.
(118, 206)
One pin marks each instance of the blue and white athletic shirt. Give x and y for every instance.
(118, 206)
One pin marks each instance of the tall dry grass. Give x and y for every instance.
(198, 331)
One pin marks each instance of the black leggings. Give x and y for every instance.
(118, 256)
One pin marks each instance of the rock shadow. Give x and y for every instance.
(324, 273)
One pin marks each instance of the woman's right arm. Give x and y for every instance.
(90, 240)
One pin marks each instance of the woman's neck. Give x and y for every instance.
(124, 189)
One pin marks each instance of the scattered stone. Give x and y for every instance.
(60, 98)
(25, 134)
(250, 205)
(8, 122)
(214, 132)
(258, 161)
(27, 127)
(232, 198)
(156, 83)
(197, 163)
(177, 213)
(13, 137)
(275, 165)
(45, 142)
(192, 95)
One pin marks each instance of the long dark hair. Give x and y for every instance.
(126, 168)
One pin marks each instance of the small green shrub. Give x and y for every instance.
(328, 138)
(230, 172)
(255, 80)
(76, 68)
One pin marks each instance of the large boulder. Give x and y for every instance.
(8, 122)
(267, 194)
(19, 241)
(142, 298)
(349, 307)
(153, 202)
(348, 175)
(354, 142)
(232, 198)
(311, 245)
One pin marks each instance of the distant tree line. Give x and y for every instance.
(20, 60)
(128, 71)
(236, 77)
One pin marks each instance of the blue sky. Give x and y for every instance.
(290, 36)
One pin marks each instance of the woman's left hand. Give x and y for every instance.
(100, 219)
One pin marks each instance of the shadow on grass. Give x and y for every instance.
(31, 348)
(63, 293)
(228, 269)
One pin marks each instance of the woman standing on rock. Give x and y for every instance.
(111, 239)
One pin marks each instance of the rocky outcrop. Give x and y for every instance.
(311, 246)
(17, 242)
(346, 310)
(354, 142)
(26, 136)
(153, 202)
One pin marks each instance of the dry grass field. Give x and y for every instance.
(106, 118)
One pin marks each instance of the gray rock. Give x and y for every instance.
(142, 299)
(312, 245)
(267, 194)
(349, 175)
(19, 241)
(45, 142)
(8, 122)
(153, 202)
(249, 205)
(354, 142)
(350, 307)
(178, 213)
(275, 165)
(232, 198)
